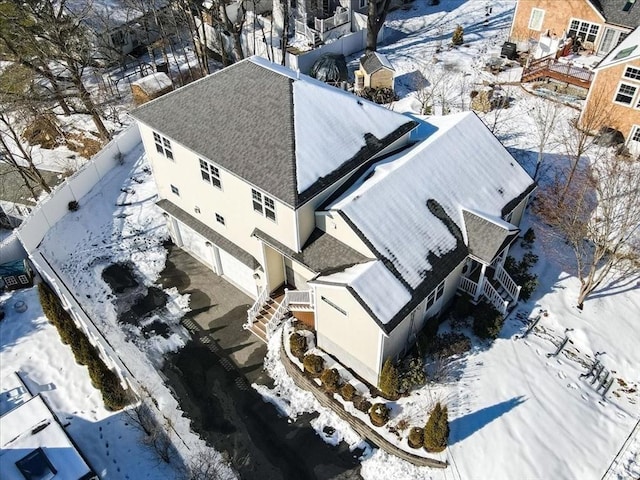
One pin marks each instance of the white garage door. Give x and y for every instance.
(237, 272)
(196, 245)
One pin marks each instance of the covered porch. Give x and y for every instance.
(490, 282)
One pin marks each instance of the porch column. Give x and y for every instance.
(480, 283)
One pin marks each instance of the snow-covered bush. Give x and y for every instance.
(297, 345)
(458, 36)
(330, 379)
(379, 414)
(416, 437)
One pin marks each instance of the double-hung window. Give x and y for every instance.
(586, 31)
(535, 20)
(264, 204)
(435, 295)
(632, 73)
(210, 173)
(625, 94)
(163, 145)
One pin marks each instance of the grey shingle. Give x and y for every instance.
(208, 233)
(13, 189)
(613, 12)
(322, 253)
(485, 238)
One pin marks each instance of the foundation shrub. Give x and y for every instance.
(330, 379)
(297, 345)
(313, 364)
(347, 391)
(487, 321)
(379, 414)
(416, 437)
(389, 380)
(436, 431)
(361, 403)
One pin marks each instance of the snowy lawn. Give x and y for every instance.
(30, 345)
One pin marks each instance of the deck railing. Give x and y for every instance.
(252, 313)
(550, 67)
(494, 297)
(325, 24)
(299, 298)
(468, 285)
(507, 283)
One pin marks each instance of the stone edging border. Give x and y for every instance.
(358, 425)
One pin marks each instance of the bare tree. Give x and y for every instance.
(545, 115)
(204, 465)
(598, 215)
(376, 15)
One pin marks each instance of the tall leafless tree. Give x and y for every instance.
(545, 115)
(376, 15)
(598, 215)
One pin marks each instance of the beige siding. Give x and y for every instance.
(381, 78)
(354, 337)
(233, 201)
(557, 15)
(275, 268)
(403, 335)
(601, 109)
(334, 225)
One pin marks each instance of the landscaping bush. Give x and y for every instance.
(461, 306)
(416, 437)
(381, 95)
(379, 414)
(73, 206)
(519, 271)
(487, 321)
(413, 376)
(436, 431)
(313, 364)
(330, 379)
(389, 380)
(361, 403)
(528, 238)
(113, 395)
(428, 333)
(297, 345)
(458, 36)
(449, 344)
(348, 391)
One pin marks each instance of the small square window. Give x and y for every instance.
(175, 190)
(220, 219)
(632, 73)
(23, 279)
(10, 281)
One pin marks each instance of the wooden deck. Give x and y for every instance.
(550, 67)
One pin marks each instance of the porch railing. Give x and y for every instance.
(507, 283)
(494, 297)
(252, 313)
(325, 24)
(299, 298)
(469, 286)
(550, 67)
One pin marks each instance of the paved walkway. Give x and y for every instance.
(218, 310)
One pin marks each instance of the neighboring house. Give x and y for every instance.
(16, 200)
(617, 83)
(372, 220)
(15, 275)
(375, 71)
(33, 444)
(120, 27)
(600, 24)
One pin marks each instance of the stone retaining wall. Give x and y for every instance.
(358, 425)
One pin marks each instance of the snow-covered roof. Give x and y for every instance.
(375, 286)
(30, 427)
(153, 83)
(409, 207)
(286, 133)
(13, 393)
(629, 49)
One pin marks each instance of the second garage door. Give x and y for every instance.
(237, 272)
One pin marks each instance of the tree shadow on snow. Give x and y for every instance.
(465, 426)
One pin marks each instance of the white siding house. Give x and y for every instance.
(370, 223)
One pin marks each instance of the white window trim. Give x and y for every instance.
(634, 129)
(210, 172)
(536, 11)
(260, 198)
(630, 79)
(163, 145)
(579, 20)
(633, 103)
(435, 295)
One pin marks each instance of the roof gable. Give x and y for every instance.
(274, 128)
(409, 207)
(374, 61)
(486, 236)
(628, 50)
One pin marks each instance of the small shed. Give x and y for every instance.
(375, 71)
(15, 275)
(152, 86)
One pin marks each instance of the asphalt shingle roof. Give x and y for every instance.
(486, 238)
(614, 12)
(243, 118)
(13, 189)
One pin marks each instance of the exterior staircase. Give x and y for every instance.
(265, 314)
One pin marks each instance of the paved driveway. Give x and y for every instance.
(218, 310)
